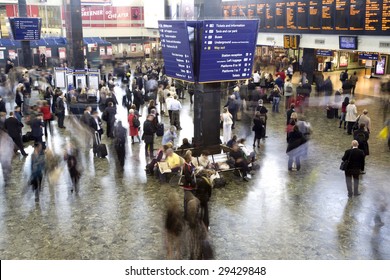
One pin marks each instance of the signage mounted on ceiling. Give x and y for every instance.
(227, 49)
(26, 29)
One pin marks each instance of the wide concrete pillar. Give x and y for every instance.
(26, 59)
(74, 33)
(207, 101)
(309, 63)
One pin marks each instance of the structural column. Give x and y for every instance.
(207, 114)
(74, 33)
(309, 63)
(26, 60)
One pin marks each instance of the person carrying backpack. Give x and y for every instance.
(362, 136)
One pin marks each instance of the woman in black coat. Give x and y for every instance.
(258, 128)
(295, 141)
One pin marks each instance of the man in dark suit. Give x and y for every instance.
(14, 130)
(356, 157)
(36, 128)
(86, 118)
(96, 124)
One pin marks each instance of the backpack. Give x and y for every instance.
(360, 137)
(136, 122)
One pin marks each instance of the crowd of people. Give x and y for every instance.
(147, 88)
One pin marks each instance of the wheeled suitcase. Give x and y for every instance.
(160, 129)
(330, 113)
(101, 149)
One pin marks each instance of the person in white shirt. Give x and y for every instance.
(175, 107)
(351, 115)
(256, 78)
(251, 156)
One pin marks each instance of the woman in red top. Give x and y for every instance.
(47, 116)
(133, 129)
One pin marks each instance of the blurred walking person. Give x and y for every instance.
(227, 122)
(37, 169)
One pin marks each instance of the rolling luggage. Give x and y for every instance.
(330, 113)
(101, 149)
(160, 129)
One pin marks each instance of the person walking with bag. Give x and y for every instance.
(227, 121)
(134, 125)
(353, 163)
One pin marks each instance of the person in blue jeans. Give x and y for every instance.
(276, 95)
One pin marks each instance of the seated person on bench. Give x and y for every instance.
(240, 161)
(151, 168)
(185, 145)
(204, 160)
(251, 156)
(172, 164)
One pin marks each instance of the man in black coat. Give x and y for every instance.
(356, 163)
(109, 117)
(86, 118)
(60, 110)
(36, 128)
(148, 136)
(120, 134)
(14, 130)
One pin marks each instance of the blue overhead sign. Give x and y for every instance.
(26, 29)
(227, 51)
(176, 50)
(324, 52)
(368, 56)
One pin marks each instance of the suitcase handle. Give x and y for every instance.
(97, 138)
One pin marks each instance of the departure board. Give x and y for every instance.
(373, 15)
(341, 15)
(302, 15)
(386, 15)
(354, 17)
(280, 15)
(315, 12)
(291, 15)
(327, 14)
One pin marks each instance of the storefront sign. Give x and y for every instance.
(48, 52)
(102, 50)
(109, 50)
(1, 54)
(108, 16)
(62, 53)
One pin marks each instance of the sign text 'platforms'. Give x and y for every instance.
(227, 50)
(26, 29)
(176, 50)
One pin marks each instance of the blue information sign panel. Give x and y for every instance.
(228, 48)
(176, 50)
(26, 29)
(368, 56)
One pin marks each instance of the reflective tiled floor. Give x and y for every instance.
(277, 215)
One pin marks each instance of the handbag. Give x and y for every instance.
(345, 163)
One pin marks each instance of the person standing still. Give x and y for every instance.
(148, 136)
(350, 116)
(356, 163)
(60, 110)
(354, 79)
(227, 122)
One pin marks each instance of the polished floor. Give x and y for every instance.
(277, 215)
